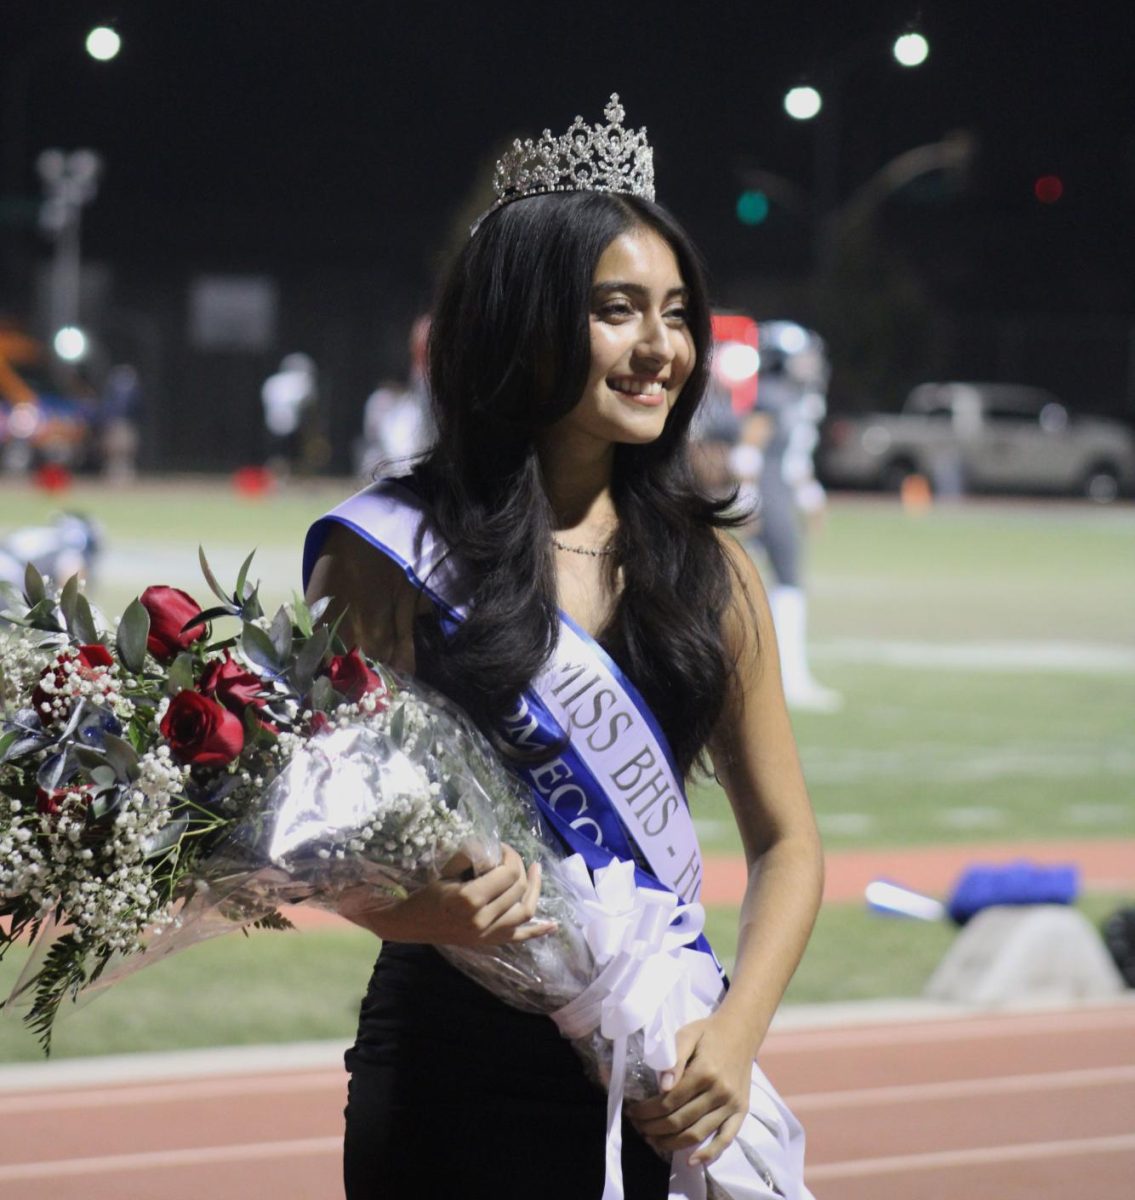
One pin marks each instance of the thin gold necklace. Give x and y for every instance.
(602, 552)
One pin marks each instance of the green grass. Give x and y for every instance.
(281, 987)
(233, 990)
(920, 754)
(182, 511)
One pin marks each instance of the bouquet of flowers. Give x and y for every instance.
(130, 757)
(159, 785)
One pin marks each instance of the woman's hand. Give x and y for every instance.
(488, 910)
(705, 1095)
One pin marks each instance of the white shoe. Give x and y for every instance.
(789, 616)
(813, 697)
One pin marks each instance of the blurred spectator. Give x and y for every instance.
(119, 410)
(289, 397)
(397, 424)
(396, 428)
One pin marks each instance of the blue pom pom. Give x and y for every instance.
(1020, 882)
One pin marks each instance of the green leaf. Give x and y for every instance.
(35, 591)
(323, 696)
(7, 741)
(180, 676)
(84, 627)
(251, 608)
(398, 723)
(104, 777)
(211, 614)
(41, 615)
(169, 835)
(130, 639)
(122, 757)
(340, 647)
(67, 600)
(88, 757)
(281, 634)
(303, 616)
(257, 645)
(99, 807)
(242, 578)
(210, 578)
(310, 658)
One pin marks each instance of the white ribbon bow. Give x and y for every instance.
(650, 980)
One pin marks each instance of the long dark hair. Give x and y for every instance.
(509, 356)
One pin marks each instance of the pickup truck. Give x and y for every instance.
(980, 437)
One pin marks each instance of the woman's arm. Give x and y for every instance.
(379, 606)
(754, 753)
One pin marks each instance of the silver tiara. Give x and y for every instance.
(588, 158)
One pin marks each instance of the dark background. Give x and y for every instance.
(335, 148)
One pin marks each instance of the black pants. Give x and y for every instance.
(455, 1094)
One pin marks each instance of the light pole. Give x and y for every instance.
(70, 181)
(823, 98)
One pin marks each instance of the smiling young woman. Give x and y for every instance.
(568, 355)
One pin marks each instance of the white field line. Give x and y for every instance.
(954, 763)
(959, 1029)
(172, 1093)
(299, 1148)
(1089, 658)
(152, 1159)
(985, 1156)
(958, 1089)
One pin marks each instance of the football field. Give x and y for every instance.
(986, 653)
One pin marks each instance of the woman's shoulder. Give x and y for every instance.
(743, 573)
(370, 592)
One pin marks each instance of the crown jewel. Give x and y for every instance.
(587, 158)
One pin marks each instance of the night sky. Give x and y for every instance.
(274, 135)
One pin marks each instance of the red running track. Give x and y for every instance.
(1035, 1106)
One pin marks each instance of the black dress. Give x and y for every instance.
(454, 1093)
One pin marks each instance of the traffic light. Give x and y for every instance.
(1048, 188)
(752, 207)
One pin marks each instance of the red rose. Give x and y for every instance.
(201, 732)
(51, 803)
(170, 611)
(319, 723)
(351, 677)
(229, 683)
(90, 662)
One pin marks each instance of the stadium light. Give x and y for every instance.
(802, 103)
(910, 50)
(71, 344)
(103, 43)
